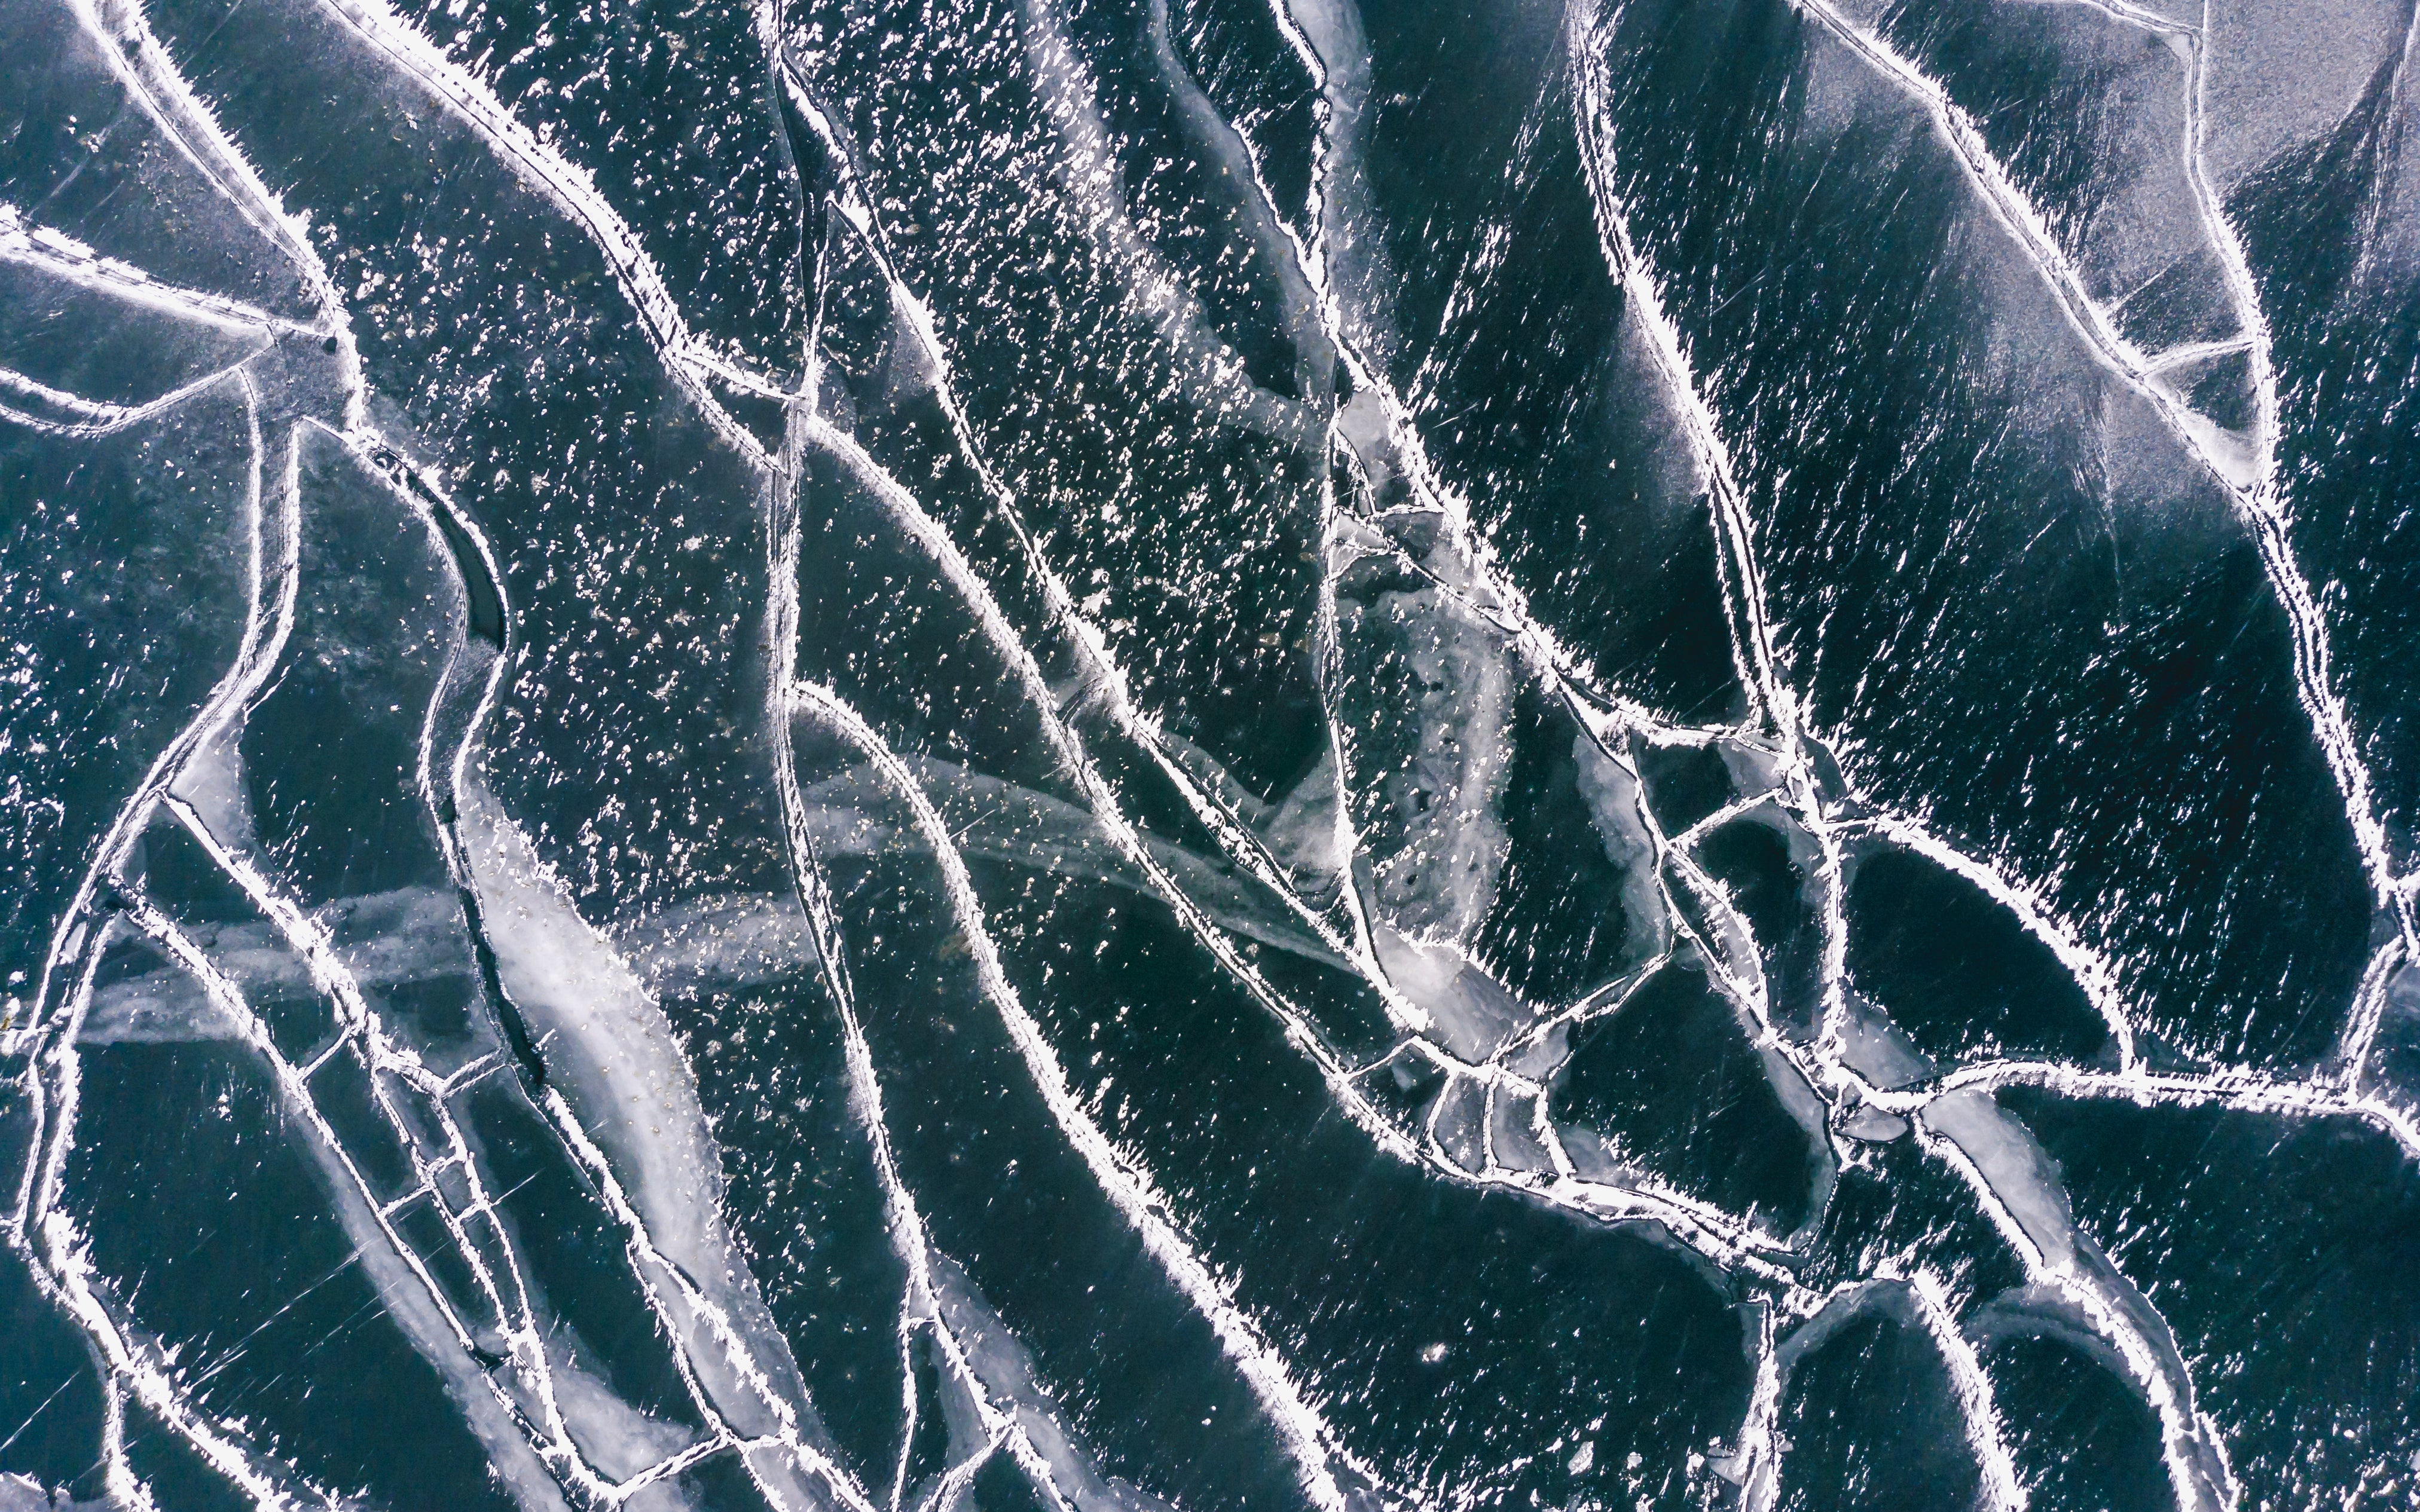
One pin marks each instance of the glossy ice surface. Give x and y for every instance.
(1103, 755)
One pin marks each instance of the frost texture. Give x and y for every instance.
(1209, 753)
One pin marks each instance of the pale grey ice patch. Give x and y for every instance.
(1438, 698)
(1208, 374)
(745, 939)
(1353, 267)
(1220, 142)
(414, 934)
(2017, 1169)
(2284, 73)
(623, 1074)
(1005, 1367)
(1473, 1015)
(620, 1440)
(22, 1493)
(1876, 1049)
(1298, 830)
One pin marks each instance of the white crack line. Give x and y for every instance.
(99, 417)
(64, 1272)
(266, 635)
(2091, 970)
(1107, 679)
(294, 1083)
(1068, 747)
(574, 192)
(1743, 584)
(686, 359)
(2235, 1088)
(2134, 15)
(63, 1269)
(71, 261)
(330, 1151)
(1981, 1415)
(365, 1036)
(1719, 1235)
(1754, 1461)
(909, 1236)
(1605, 1202)
(2256, 495)
(384, 462)
(665, 328)
(1913, 1297)
(735, 1351)
(151, 78)
(2190, 1440)
(265, 627)
(708, 362)
(1128, 1187)
(1752, 636)
(2191, 352)
(2369, 1010)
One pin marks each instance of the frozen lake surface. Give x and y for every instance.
(1124, 755)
